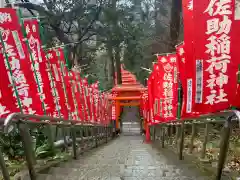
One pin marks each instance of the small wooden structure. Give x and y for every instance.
(126, 94)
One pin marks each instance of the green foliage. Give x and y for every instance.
(12, 145)
(44, 151)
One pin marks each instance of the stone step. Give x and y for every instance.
(127, 158)
(130, 122)
(59, 177)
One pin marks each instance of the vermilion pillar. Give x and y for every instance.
(117, 113)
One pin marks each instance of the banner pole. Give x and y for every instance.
(42, 32)
(66, 58)
(179, 99)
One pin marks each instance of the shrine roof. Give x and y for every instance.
(129, 88)
(129, 82)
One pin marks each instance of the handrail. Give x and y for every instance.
(196, 119)
(229, 115)
(98, 132)
(18, 116)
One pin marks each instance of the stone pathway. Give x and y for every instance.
(126, 158)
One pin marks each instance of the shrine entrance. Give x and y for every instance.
(130, 121)
(126, 101)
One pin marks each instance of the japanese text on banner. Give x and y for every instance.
(16, 59)
(214, 64)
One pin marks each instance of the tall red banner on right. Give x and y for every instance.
(187, 77)
(236, 41)
(215, 69)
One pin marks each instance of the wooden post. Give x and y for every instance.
(177, 135)
(106, 133)
(192, 138)
(224, 147)
(168, 133)
(87, 135)
(74, 142)
(206, 133)
(92, 136)
(171, 134)
(163, 136)
(154, 133)
(28, 149)
(3, 166)
(159, 132)
(181, 144)
(81, 136)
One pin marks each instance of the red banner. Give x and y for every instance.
(77, 92)
(180, 51)
(105, 107)
(188, 81)
(182, 64)
(150, 97)
(67, 86)
(7, 96)
(167, 92)
(60, 98)
(82, 95)
(39, 59)
(215, 68)
(236, 41)
(95, 99)
(144, 104)
(91, 102)
(87, 98)
(156, 92)
(17, 61)
(76, 96)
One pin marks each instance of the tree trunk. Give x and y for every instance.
(116, 43)
(174, 23)
(118, 64)
(111, 63)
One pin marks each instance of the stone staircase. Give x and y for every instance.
(131, 121)
(126, 158)
(131, 128)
